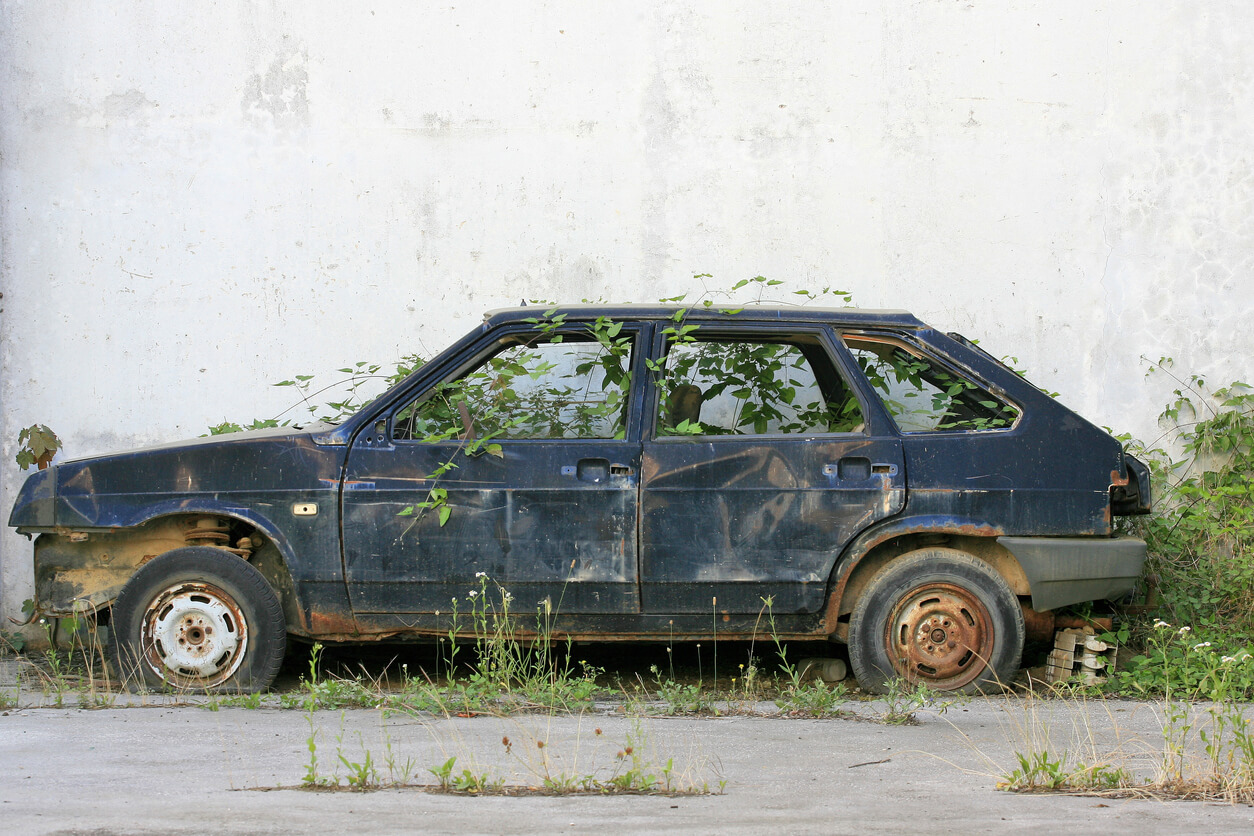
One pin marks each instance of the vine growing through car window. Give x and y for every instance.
(567, 380)
(922, 395)
(754, 386)
(552, 382)
(750, 387)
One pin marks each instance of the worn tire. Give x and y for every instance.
(198, 619)
(938, 617)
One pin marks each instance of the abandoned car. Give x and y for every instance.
(633, 473)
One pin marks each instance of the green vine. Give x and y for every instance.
(38, 445)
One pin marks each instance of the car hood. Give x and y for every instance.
(122, 489)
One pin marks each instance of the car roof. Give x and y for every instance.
(778, 313)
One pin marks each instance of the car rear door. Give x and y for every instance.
(760, 464)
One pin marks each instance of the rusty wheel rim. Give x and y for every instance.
(194, 636)
(940, 635)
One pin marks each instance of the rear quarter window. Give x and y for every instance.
(924, 395)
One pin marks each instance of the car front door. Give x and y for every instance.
(515, 472)
(761, 464)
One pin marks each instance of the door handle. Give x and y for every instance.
(850, 469)
(588, 470)
(858, 469)
(595, 470)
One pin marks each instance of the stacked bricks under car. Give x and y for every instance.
(1079, 655)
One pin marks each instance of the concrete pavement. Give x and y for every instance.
(173, 770)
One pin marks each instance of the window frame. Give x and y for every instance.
(927, 353)
(819, 337)
(498, 341)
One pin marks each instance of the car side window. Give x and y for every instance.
(736, 386)
(922, 395)
(543, 386)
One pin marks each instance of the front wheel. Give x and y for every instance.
(940, 618)
(198, 619)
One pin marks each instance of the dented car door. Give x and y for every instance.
(516, 471)
(762, 464)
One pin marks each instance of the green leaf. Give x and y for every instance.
(445, 513)
(687, 427)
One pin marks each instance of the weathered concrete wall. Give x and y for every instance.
(198, 201)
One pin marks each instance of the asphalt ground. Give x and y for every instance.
(156, 768)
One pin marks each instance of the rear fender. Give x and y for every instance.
(881, 543)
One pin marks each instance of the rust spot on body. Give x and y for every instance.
(333, 626)
(976, 530)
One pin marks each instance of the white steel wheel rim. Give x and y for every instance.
(195, 635)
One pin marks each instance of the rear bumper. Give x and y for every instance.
(1072, 570)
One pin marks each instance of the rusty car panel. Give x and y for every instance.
(739, 520)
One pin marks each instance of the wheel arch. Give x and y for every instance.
(85, 569)
(877, 547)
(201, 507)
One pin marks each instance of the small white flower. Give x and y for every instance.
(481, 574)
(1160, 624)
(1228, 660)
(1184, 630)
(1200, 645)
(473, 593)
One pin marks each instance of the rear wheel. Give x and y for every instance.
(938, 617)
(198, 619)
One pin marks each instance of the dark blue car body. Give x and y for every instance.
(646, 535)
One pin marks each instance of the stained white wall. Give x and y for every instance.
(199, 199)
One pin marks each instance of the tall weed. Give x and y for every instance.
(1200, 536)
